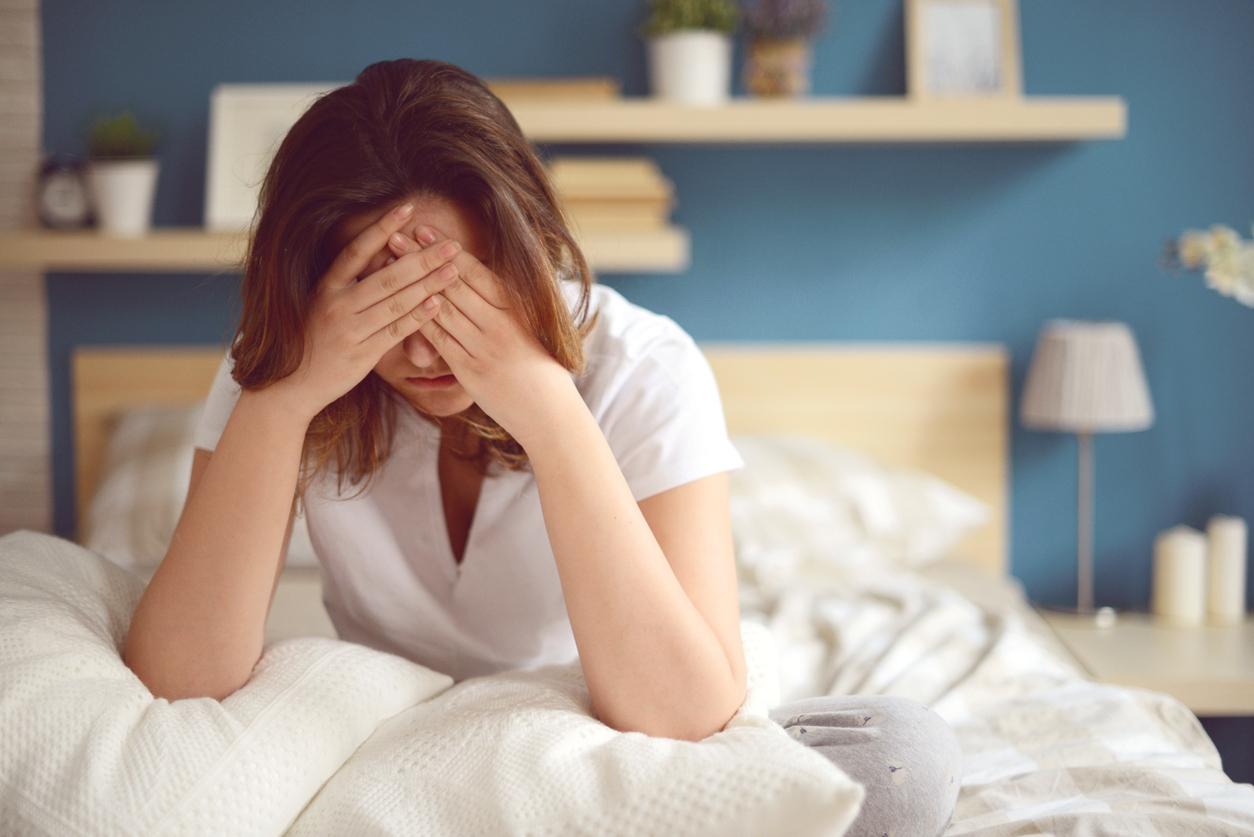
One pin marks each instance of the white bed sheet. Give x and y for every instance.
(1045, 749)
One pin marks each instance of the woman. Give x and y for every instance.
(502, 464)
(414, 373)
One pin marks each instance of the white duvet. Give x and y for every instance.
(1045, 750)
(332, 738)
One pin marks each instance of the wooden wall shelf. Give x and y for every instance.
(639, 120)
(192, 250)
(825, 120)
(173, 250)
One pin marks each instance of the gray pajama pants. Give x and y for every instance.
(903, 753)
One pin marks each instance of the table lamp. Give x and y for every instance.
(1086, 378)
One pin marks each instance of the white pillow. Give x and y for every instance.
(519, 753)
(800, 499)
(132, 517)
(85, 749)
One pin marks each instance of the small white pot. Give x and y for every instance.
(122, 193)
(692, 66)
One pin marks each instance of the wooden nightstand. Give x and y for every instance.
(1209, 669)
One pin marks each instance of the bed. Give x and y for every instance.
(872, 547)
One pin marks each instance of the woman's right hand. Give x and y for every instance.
(356, 315)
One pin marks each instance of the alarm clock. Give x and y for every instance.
(61, 197)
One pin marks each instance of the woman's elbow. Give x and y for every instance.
(694, 721)
(179, 680)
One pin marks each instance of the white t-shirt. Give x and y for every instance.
(389, 576)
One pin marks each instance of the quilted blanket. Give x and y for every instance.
(333, 738)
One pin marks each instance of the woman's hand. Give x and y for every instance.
(357, 314)
(504, 367)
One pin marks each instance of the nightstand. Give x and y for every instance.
(1209, 669)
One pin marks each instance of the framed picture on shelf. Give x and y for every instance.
(246, 124)
(959, 49)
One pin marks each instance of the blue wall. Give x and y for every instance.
(812, 243)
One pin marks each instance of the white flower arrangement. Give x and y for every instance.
(1221, 255)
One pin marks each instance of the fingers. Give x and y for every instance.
(450, 348)
(479, 276)
(471, 310)
(424, 236)
(413, 266)
(356, 255)
(406, 301)
(453, 320)
(395, 331)
(481, 279)
(466, 318)
(431, 285)
(401, 315)
(469, 305)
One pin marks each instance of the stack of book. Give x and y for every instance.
(560, 89)
(613, 193)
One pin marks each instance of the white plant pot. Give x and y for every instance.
(122, 193)
(692, 66)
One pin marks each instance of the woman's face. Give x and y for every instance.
(413, 367)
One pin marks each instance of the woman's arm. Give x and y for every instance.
(650, 588)
(199, 628)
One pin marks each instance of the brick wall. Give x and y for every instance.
(25, 436)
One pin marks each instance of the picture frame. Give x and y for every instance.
(246, 124)
(247, 121)
(963, 49)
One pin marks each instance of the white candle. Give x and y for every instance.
(1226, 539)
(1180, 576)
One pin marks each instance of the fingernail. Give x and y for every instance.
(404, 211)
(448, 272)
(449, 250)
(426, 235)
(389, 261)
(399, 242)
(431, 304)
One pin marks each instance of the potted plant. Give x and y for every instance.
(122, 174)
(690, 49)
(780, 56)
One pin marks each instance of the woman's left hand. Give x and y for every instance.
(504, 367)
(650, 587)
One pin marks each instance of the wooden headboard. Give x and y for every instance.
(106, 380)
(941, 408)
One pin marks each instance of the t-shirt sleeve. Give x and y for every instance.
(218, 406)
(663, 417)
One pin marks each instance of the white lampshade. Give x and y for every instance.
(1086, 377)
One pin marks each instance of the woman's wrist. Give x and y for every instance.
(277, 409)
(560, 411)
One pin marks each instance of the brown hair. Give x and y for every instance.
(403, 129)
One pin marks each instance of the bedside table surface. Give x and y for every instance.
(1210, 669)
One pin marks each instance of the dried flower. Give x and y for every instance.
(1221, 255)
(786, 19)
